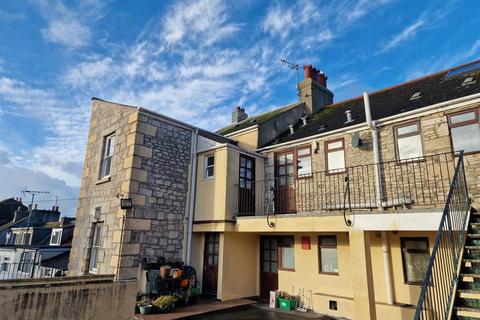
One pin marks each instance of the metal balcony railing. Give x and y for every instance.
(24, 270)
(436, 297)
(418, 182)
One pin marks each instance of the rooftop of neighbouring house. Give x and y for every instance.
(257, 119)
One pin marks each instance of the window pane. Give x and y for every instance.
(328, 258)
(210, 160)
(288, 257)
(336, 160)
(242, 161)
(462, 117)
(281, 160)
(304, 166)
(281, 170)
(328, 241)
(289, 158)
(266, 266)
(416, 266)
(282, 181)
(249, 174)
(242, 172)
(410, 147)
(466, 138)
(209, 172)
(289, 169)
(249, 164)
(274, 267)
(415, 244)
(335, 145)
(273, 255)
(407, 129)
(304, 152)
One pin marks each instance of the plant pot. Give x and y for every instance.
(165, 271)
(145, 309)
(177, 273)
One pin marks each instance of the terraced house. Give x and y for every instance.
(364, 207)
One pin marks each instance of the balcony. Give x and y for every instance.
(419, 183)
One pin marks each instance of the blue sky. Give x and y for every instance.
(195, 61)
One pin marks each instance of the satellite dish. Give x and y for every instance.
(356, 142)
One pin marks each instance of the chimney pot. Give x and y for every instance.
(292, 131)
(239, 114)
(35, 206)
(307, 71)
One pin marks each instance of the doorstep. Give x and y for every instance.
(203, 306)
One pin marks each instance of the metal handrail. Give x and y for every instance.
(436, 297)
(422, 182)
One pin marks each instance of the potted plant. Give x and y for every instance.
(192, 294)
(165, 303)
(145, 307)
(165, 271)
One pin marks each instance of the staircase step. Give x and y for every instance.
(474, 235)
(472, 247)
(469, 294)
(467, 312)
(469, 277)
(471, 260)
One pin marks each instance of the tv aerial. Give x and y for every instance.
(293, 66)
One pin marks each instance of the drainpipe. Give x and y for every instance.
(378, 188)
(191, 206)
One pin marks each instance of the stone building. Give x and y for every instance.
(136, 154)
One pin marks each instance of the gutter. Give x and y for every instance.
(379, 190)
(191, 206)
(227, 145)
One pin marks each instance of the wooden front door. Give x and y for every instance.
(210, 264)
(246, 190)
(269, 266)
(285, 183)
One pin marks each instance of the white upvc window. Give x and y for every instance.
(335, 154)
(96, 246)
(408, 141)
(56, 238)
(107, 153)
(465, 131)
(209, 167)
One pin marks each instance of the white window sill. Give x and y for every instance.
(209, 178)
(103, 180)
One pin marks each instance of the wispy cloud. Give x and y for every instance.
(69, 27)
(405, 35)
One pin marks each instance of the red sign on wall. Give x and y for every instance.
(306, 243)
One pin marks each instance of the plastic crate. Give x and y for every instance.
(285, 304)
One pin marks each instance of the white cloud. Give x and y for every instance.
(68, 32)
(406, 34)
(69, 27)
(204, 20)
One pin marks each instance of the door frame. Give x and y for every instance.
(205, 264)
(293, 151)
(262, 237)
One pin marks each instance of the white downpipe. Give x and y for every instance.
(191, 206)
(378, 187)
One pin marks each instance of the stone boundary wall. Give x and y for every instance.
(72, 298)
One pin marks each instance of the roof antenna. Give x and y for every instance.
(292, 66)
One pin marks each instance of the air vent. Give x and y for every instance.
(468, 81)
(332, 305)
(416, 95)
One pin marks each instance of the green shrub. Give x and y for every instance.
(165, 303)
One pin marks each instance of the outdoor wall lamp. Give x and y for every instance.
(126, 203)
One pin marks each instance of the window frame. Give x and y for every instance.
(297, 157)
(397, 136)
(282, 242)
(476, 111)
(402, 248)
(109, 137)
(95, 247)
(327, 151)
(56, 230)
(320, 246)
(26, 266)
(4, 264)
(206, 166)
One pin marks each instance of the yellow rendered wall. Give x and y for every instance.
(324, 287)
(247, 140)
(239, 266)
(215, 197)
(198, 243)
(210, 198)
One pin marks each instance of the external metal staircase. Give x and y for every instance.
(467, 299)
(446, 292)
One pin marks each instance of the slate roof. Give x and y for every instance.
(8, 208)
(435, 88)
(257, 119)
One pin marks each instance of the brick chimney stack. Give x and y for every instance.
(313, 89)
